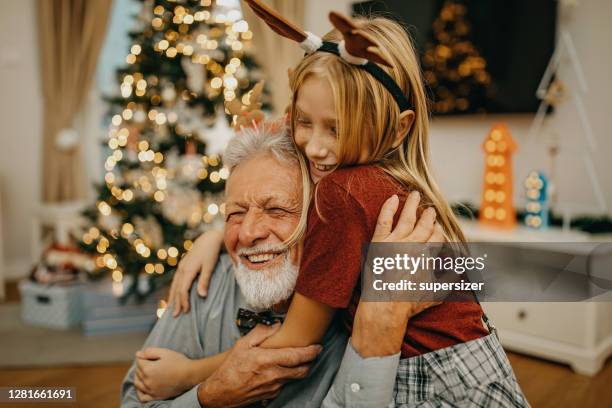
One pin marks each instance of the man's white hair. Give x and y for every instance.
(266, 137)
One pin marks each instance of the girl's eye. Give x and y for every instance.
(302, 121)
(333, 131)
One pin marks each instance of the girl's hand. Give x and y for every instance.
(161, 374)
(379, 327)
(201, 259)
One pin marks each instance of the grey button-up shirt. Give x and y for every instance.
(210, 328)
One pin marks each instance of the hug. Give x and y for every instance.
(281, 322)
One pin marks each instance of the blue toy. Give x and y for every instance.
(536, 189)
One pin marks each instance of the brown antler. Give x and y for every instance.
(357, 42)
(277, 22)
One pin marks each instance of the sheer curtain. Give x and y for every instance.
(70, 33)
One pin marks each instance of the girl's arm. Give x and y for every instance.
(200, 370)
(201, 259)
(305, 324)
(162, 373)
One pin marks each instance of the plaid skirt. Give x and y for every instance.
(472, 374)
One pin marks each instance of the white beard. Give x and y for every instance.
(265, 288)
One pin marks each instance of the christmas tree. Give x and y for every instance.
(452, 65)
(163, 183)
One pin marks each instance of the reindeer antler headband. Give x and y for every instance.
(357, 47)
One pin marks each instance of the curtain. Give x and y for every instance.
(70, 34)
(274, 53)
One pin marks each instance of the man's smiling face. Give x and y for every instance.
(263, 208)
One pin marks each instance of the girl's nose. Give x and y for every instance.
(314, 149)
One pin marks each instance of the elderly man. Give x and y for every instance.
(264, 201)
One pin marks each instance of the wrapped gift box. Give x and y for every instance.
(104, 313)
(54, 306)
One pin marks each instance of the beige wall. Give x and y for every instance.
(317, 11)
(20, 129)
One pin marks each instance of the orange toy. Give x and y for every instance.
(496, 207)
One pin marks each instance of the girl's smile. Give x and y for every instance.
(318, 171)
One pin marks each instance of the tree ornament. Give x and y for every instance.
(168, 93)
(247, 112)
(110, 222)
(149, 230)
(182, 206)
(196, 75)
(556, 93)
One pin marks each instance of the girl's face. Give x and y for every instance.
(316, 126)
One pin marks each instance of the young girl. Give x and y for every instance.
(364, 143)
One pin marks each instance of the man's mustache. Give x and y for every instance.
(262, 249)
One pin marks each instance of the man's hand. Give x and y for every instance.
(379, 327)
(250, 373)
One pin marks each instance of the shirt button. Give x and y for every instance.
(355, 387)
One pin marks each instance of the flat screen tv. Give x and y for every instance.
(477, 55)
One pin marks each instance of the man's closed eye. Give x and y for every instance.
(234, 216)
(278, 211)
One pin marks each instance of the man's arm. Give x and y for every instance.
(363, 382)
(366, 377)
(250, 373)
(191, 334)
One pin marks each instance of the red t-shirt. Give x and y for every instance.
(348, 202)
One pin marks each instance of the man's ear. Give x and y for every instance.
(405, 124)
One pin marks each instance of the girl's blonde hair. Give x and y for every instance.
(369, 117)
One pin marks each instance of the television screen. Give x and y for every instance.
(477, 55)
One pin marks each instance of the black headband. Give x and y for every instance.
(378, 73)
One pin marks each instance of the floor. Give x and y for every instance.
(96, 386)
(545, 384)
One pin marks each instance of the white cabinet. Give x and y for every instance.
(575, 333)
(578, 334)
